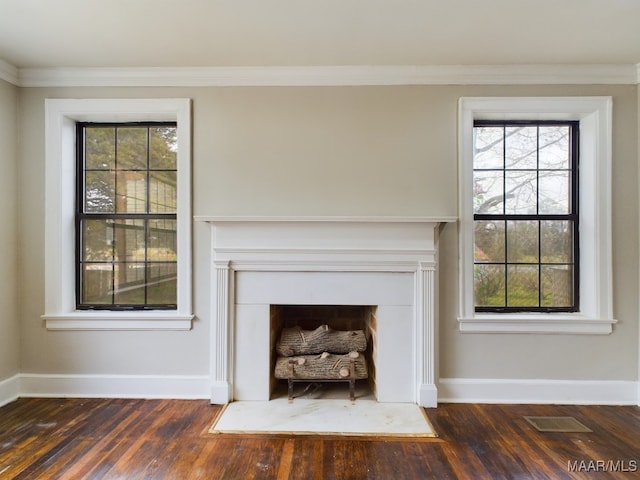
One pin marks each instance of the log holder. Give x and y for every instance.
(351, 378)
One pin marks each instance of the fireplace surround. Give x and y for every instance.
(389, 263)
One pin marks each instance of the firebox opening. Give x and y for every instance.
(335, 317)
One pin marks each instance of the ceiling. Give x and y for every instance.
(226, 33)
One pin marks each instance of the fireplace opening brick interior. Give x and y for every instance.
(356, 319)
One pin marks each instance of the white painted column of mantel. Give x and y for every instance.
(323, 244)
(426, 305)
(222, 333)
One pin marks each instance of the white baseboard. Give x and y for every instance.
(115, 386)
(9, 389)
(450, 390)
(569, 392)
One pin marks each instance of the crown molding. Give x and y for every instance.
(322, 76)
(353, 75)
(8, 72)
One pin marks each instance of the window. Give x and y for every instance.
(525, 200)
(536, 231)
(142, 199)
(126, 216)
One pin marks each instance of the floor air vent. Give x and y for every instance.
(557, 424)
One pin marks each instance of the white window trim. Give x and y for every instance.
(61, 116)
(595, 315)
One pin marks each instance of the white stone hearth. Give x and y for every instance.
(325, 417)
(389, 263)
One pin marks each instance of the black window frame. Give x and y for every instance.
(573, 216)
(81, 215)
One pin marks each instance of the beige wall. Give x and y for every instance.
(332, 151)
(9, 327)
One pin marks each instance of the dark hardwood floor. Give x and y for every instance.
(168, 439)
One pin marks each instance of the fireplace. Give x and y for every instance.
(323, 267)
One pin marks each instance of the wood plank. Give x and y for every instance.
(308, 457)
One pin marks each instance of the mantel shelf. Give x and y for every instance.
(326, 219)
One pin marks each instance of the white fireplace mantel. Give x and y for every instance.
(312, 248)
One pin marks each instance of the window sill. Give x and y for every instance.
(536, 323)
(154, 320)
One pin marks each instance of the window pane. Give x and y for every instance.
(164, 147)
(555, 192)
(99, 192)
(522, 286)
(97, 283)
(557, 241)
(162, 192)
(554, 147)
(98, 240)
(162, 289)
(488, 187)
(521, 192)
(162, 241)
(488, 148)
(129, 283)
(100, 149)
(489, 241)
(132, 148)
(489, 285)
(557, 285)
(522, 241)
(129, 241)
(131, 192)
(521, 145)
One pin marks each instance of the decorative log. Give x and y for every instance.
(295, 341)
(321, 367)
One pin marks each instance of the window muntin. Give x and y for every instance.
(126, 226)
(525, 211)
